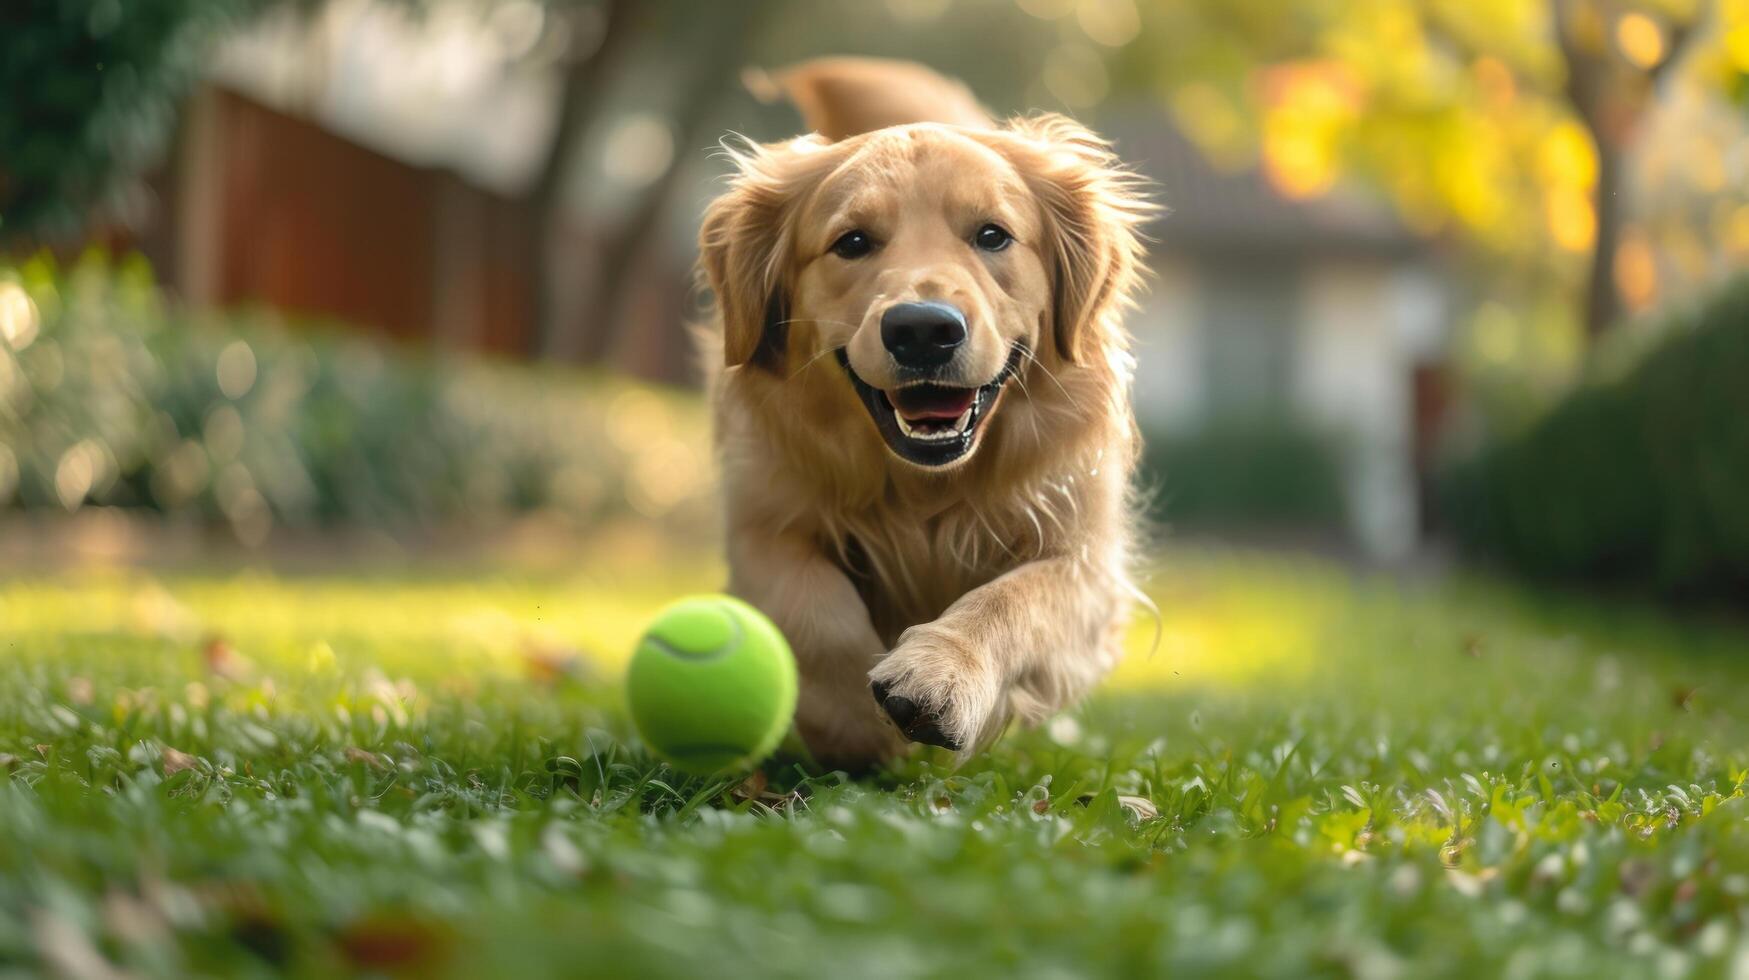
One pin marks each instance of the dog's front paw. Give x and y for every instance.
(936, 689)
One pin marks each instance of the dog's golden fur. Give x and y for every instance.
(994, 588)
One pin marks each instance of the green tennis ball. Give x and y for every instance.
(712, 685)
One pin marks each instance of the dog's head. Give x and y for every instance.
(928, 264)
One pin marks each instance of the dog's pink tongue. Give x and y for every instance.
(922, 404)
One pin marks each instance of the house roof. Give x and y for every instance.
(1214, 209)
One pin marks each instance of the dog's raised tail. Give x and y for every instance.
(840, 97)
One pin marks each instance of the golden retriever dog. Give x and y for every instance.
(922, 405)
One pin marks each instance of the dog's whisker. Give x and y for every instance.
(808, 364)
(1030, 356)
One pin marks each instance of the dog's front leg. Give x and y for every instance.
(1036, 637)
(835, 644)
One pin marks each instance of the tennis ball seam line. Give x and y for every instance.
(733, 643)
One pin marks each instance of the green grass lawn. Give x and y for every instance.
(430, 774)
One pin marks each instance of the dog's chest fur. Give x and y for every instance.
(911, 559)
(904, 581)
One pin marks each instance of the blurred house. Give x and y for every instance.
(1322, 314)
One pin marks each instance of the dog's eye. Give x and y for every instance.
(853, 245)
(992, 238)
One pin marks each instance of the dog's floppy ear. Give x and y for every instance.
(745, 242)
(1093, 211)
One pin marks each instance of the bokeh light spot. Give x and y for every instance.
(236, 369)
(1737, 46)
(1567, 157)
(1640, 39)
(18, 316)
(1735, 231)
(1636, 272)
(74, 475)
(638, 151)
(1075, 73)
(1113, 23)
(1572, 223)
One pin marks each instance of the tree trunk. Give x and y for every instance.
(1611, 98)
(1603, 306)
(630, 240)
(581, 97)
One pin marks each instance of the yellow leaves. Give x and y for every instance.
(1571, 220)
(1639, 39)
(1310, 107)
(1298, 156)
(1469, 171)
(1495, 81)
(1737, 45)
(1567, 170)
(1636, 272)
(1566, 157)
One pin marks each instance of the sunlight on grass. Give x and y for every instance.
(318, 765)
(1202, 634)
(1205, 634)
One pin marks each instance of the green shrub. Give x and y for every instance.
(110, 397)
(91, 89)
(1256, 472)
(1640, 480)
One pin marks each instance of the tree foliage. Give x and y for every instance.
(92, 89)
(1500, 121)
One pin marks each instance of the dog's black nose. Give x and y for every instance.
(922, 335)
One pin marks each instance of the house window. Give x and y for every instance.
(1250, 312)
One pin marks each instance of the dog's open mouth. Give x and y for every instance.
(932, 424)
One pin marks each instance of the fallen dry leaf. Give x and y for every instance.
(546, 665)
(175, 761)
(753, 787)
(356, 754)
(389, 941)
(223, 660)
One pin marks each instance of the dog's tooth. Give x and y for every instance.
(933, 434)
